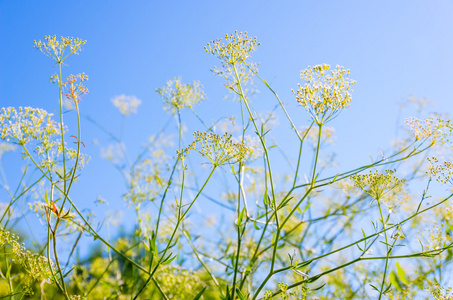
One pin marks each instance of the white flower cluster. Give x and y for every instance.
(127, 105)
(26, 124)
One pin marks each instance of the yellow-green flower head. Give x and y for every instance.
(59, 50)
(36, 266)
(127, 105)
(176, 95)
(218, 149)
(377, 184)
(237, 47)
(436, 129)
(268, 295)
(324, 93)
(233, 53)
(442, 172)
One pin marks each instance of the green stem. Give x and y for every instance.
(52, 236)
(278, 99)
(387, 248)
(10, 282)
(384, 161)
(54, 277)
(279, 228)
(186, 235)
(76, 163)
(180, 218)
(313, 176)
(238, 251)
(60, 95)
(241, 94)
(316, 277)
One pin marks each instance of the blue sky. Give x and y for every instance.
(393, 49)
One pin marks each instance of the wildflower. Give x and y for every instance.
(238, 48)
(442, 172)
(376, 184)
(324, 94)
(233, 55)
(76, 90)
(59, 50)
(177, 95)
(27, 124)
(36, 266)
(126, 104)
(218, 149)
(436, 129)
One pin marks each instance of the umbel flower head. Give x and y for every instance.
(176, 95)
(26, 124)
(233, 53)
(325, 93)
(377, 184)
(75, 89)
(218, 149)
(59, 50)
(126, 104)
(436, 129)
(238, 47)
(36, 266)
(442, 172)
